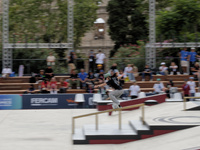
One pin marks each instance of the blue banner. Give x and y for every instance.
(10, 101)
(55, 101)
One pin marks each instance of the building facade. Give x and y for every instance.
(98, 37)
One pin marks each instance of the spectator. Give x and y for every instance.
(40, 85)
(192, 85)
(163, 69)
(121, 80)
(45, 86)
(114, 67)
(170, 89)
(82, 77)
(49, 73)
(71, 61)
(100, 57)
(63, 86)
(6, 72)
(51, 60)
(40, 76)
(106, 96)
(53, 86)
(102, 90)
(197, 75)
(184, 56)
(194, 69)
(98, 70)
(74, 81)
(170, 83)
(192, 57)
(186, 89)
(173, 68)
(90, 88)
(135, 70)
(100, 78)
(134, 90)
(91, 78)
(147, 72)
(128, 72)
(91, 61)
(31, 90)
(158, 86)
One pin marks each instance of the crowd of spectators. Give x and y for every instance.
(47, 82)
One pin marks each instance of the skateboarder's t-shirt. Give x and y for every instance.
(114, 83)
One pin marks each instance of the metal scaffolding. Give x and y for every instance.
(173, 45)
(7, 53)
(152, 45)
(7, 47)
(151, 51)
(70, 23)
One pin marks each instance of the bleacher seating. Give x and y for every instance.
(18, 85)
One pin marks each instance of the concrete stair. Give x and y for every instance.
(111, 134)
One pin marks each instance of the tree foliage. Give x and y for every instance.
(126, 22)
(46, 21)
(131, 54)
(181, 21)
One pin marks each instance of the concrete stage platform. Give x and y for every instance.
(51, 129)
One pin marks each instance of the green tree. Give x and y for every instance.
(46, 21)
(131, 54)
(181, 22)
(126, 22)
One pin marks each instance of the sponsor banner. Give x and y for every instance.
(55, 101)
(89, 101)
(10, 101)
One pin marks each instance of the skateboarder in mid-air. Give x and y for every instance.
(113, 82)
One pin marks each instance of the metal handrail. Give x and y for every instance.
(184, 101)
(105, 111)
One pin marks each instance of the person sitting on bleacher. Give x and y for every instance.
(98, 70)
(73, 80)
(63, 86)
(31, 90)
(106, 96)
(114, 68)
(45, 86)
(90, 88)
(53, 86)
(163, 70)
(40, 76)
(6, 72)
(49, 72)
(147, 72)
(192, 85)
(194, 69)
(128, 72)
(134, 90)
(121, 80)
(173, 68)
(82, 77)
(91, 78)
(170, 89)
(158, 87)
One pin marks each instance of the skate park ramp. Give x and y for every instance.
(52, 129)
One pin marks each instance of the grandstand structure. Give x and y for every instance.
(18, 85)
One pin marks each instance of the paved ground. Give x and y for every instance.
(51, 130)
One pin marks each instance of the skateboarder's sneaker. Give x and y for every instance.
(115, 106)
